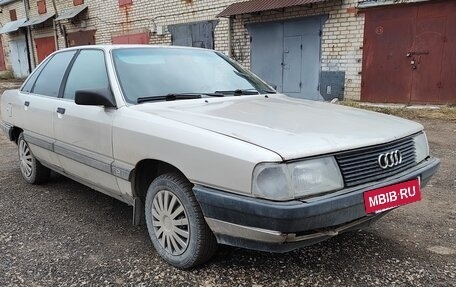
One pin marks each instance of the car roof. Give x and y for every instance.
(109, 47)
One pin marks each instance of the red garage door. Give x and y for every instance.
(44, 47)
(2, 57)
(409, 54)
(139, 38)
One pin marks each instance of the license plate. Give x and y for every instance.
(388, 197)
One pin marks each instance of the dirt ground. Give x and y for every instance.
(65, 234)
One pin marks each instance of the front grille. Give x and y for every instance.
(361, 166)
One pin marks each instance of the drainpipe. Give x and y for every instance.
(230, 26)
(56, 36)
(29, 40)
(27, 46)
(63, 31)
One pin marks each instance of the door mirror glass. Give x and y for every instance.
(95, 97)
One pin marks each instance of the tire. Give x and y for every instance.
(31, 169)
(176, 224)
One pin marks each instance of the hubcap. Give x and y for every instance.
(25, 157)
(170, 222)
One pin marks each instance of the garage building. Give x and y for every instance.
(372, 50)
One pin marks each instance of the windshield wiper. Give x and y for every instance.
(177, 96)
(240, 92)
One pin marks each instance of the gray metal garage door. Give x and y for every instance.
(288, 55)
(196, 34)
(19, 60)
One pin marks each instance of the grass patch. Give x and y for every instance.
(447, 112)
(6, 75)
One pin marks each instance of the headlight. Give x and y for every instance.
(272, 181)
(298, 179)
(421, 147)
(315, 176)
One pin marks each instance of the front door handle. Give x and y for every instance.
(60, 111)
(26, 103)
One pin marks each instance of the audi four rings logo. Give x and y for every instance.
(390, 159)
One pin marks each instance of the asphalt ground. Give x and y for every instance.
(65, 234)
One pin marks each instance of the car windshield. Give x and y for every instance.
(145, 73)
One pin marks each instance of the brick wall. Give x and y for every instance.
(341, 40)
(143, 15)
(342, 36)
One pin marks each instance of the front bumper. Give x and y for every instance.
(283, 226)
(7, 129)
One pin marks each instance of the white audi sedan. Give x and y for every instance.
(207, 153)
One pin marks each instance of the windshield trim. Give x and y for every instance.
(116, 77)
(239, 68)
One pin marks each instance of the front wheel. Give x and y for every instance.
(176, 224)
(31, 169)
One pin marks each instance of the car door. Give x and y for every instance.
(84, 133)
(37, 103)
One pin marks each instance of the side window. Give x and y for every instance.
(32, 78)
(88, 73)
(50, 78)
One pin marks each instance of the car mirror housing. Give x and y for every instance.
(95, 97)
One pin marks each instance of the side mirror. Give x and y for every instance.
(98, 97)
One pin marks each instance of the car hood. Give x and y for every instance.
(290, 127)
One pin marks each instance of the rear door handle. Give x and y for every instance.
(26, 103)
(60, 111)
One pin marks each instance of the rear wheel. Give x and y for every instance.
(31, 169)
(176, 224)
